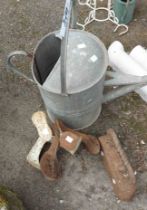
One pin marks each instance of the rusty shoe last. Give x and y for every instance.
(70, 141)
(91, 142)
(49, 164)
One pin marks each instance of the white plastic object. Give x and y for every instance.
(119, 60)
(123, 62)
(140, 55)
(45, 135)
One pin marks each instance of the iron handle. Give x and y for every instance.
(13, 68)
(74, 15)
(64, 32)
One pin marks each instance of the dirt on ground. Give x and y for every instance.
(85, 185)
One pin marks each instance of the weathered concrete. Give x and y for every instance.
(85, 184)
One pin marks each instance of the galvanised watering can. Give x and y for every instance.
(69, 67)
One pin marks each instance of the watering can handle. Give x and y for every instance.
(129, 82)
(69, 10)
(11, 66)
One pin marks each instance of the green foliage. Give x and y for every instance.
(9, 200)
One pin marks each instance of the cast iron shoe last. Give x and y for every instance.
(49, 164)
(118, 166)
(70, 141)
(91, 143)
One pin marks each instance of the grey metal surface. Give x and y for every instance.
(71, 85)
(128, 82)
(86, 63)
(85, 90)
(74, 15)
(82, 106)
(64, 31)
(78, 110)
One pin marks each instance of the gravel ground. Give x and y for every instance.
(85, 184)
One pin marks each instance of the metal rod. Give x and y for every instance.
(64, 42)
(74, 15)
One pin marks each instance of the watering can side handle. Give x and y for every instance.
(13, 68)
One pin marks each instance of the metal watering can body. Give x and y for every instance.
(84, 82)
(74, 90)
(81, 106)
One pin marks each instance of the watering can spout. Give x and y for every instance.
(121, 92)
(128, 82)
